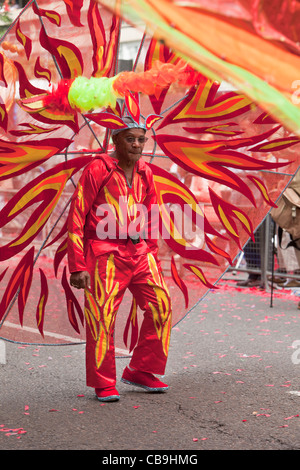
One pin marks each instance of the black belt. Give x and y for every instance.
(92, 236)
(135, 241)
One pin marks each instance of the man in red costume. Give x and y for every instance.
(111, 210)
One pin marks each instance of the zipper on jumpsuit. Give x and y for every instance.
(133, 174)
(127, 182)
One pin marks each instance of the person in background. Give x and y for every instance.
(288, 249)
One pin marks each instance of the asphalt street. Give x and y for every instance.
(233, 372)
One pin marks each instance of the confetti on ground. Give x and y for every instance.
(295, 392)
(12, 431)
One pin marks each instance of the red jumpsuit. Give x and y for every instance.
(106, 205)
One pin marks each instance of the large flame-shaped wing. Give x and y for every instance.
(254, 45)
(220, 158)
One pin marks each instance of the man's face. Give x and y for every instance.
(129, 144)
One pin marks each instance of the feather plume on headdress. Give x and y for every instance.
(87, 94)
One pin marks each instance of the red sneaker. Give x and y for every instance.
(107, 394)
(144, 380)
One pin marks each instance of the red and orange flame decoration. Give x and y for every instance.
(232, 161)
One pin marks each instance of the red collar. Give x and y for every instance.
(111, 162)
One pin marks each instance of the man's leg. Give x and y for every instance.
(108, 284)
(152, 296)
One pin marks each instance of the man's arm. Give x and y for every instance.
(81, 204)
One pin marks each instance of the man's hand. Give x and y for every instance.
(80, 280)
